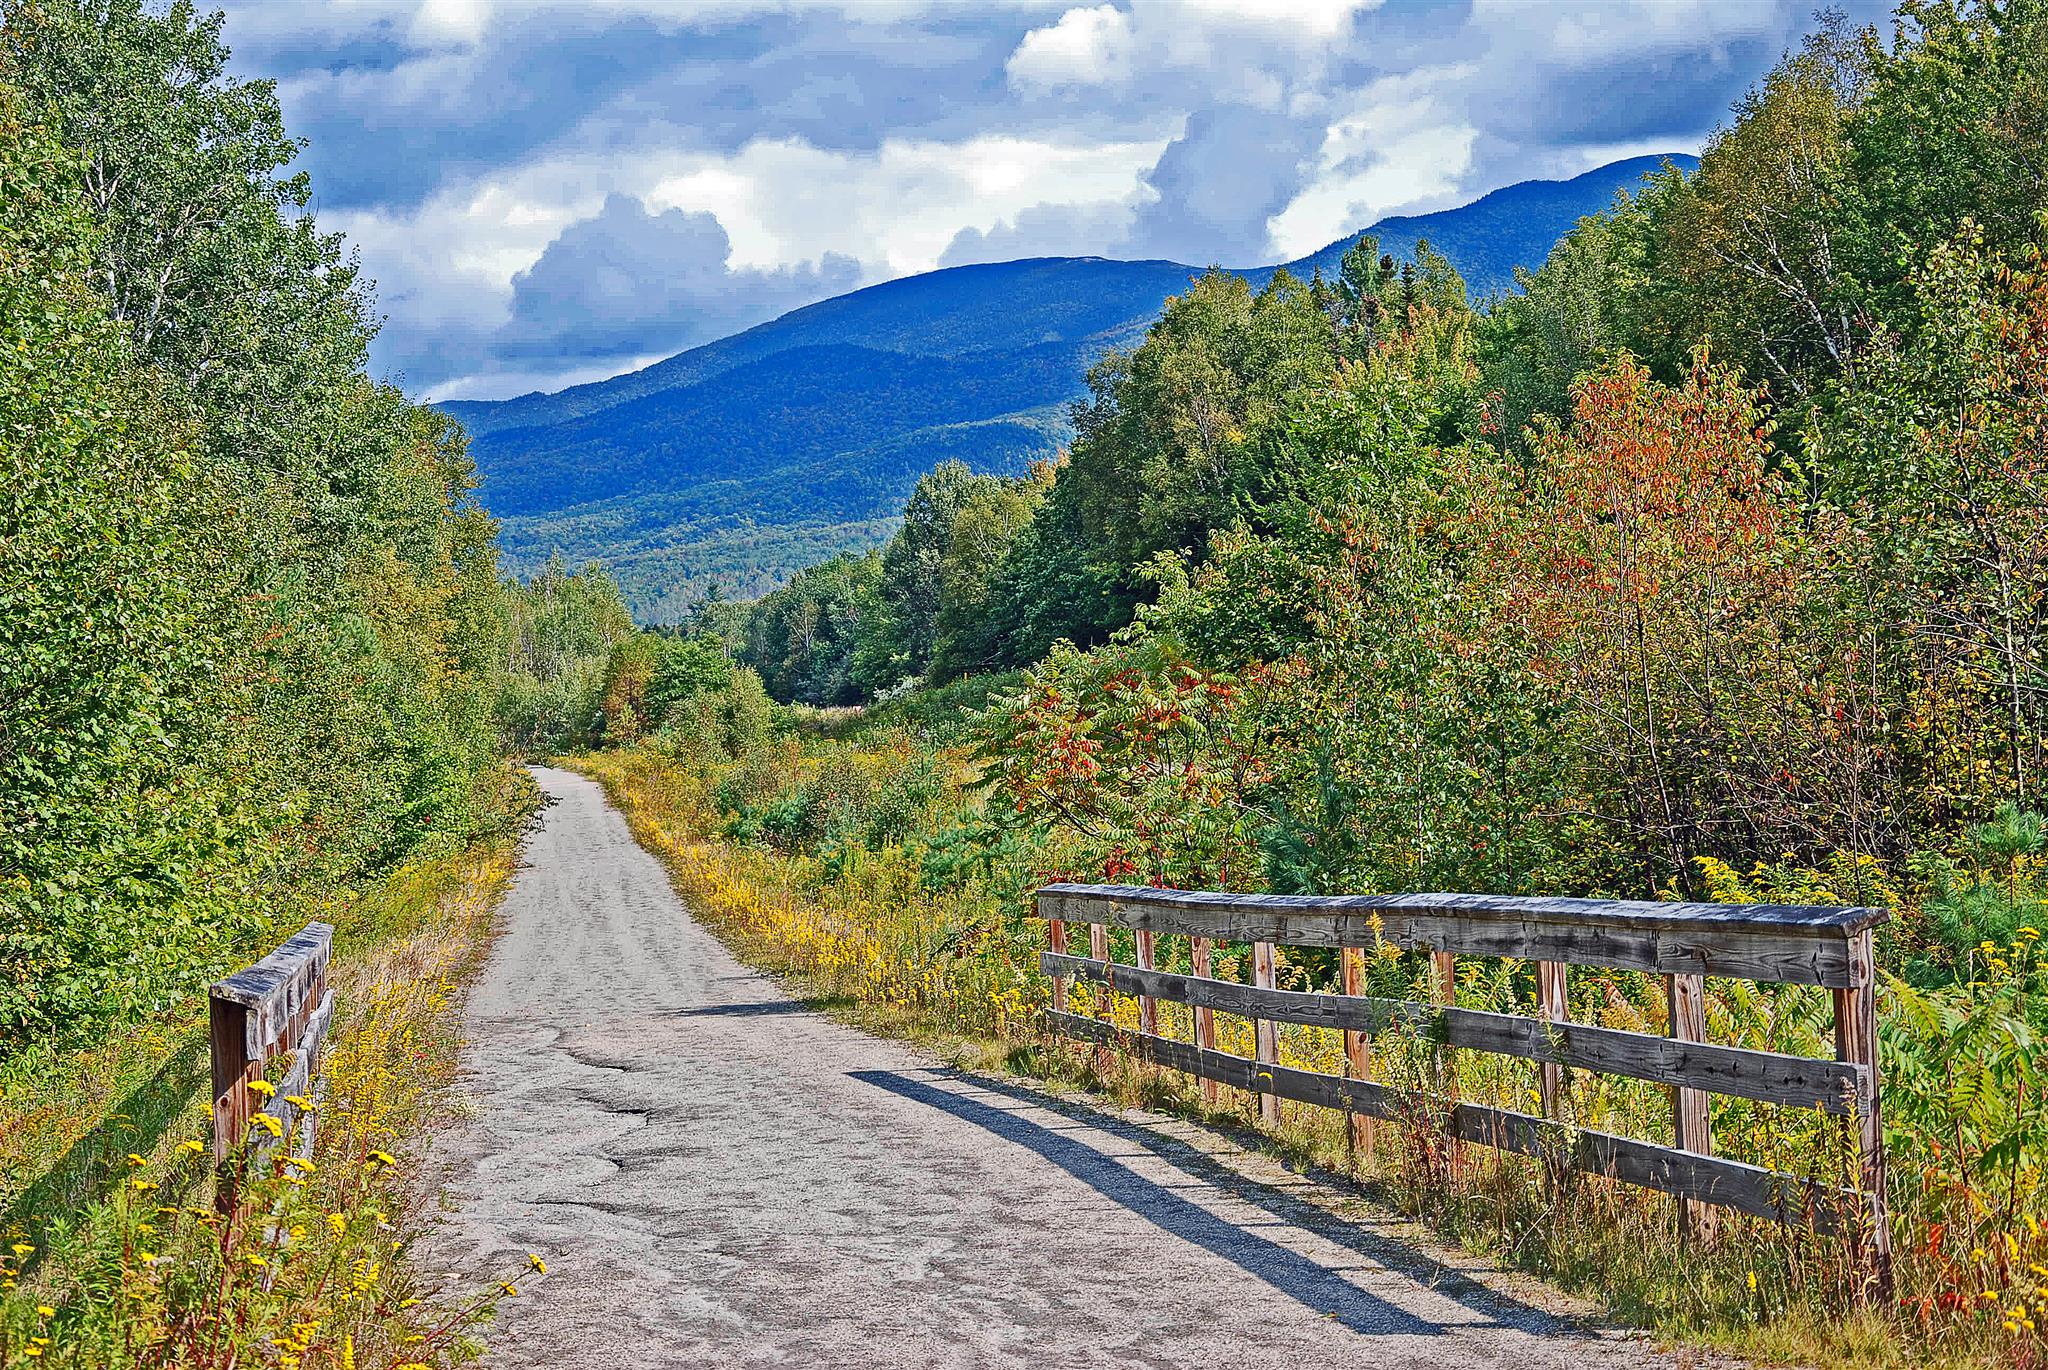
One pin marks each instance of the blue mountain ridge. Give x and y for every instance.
(738, 462)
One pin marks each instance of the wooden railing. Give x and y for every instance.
(1684, 943)
(279, 1006)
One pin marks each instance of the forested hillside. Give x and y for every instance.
(252, 631)
(738, 462)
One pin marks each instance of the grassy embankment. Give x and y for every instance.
(112, 1253)
(858, 868)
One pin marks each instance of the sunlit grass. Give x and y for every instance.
(116, 1255)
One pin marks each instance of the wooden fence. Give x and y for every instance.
(1684, 943)
(279, 1006)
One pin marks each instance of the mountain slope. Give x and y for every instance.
(737, 462)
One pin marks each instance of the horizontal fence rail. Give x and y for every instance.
(279, 1006)
(1684, 943)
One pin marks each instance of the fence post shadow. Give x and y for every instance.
(1322, 1290)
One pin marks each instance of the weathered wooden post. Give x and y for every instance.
(1443, 992)
(1148, 1007)
(1266, 1032)
(1205, 1017)
(1686, 996)
(1056, 939)
(1098, 947)
(1856, 1045)
(279, 1006)
(1553, 1007)
(1357, 1048)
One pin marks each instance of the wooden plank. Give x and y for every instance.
(280, 988)
(1766, 942)
(1808, 919)
(1266, 1032)
(1552, 1006)
(1148, 1005)
(1056, 938)
(1730, 1184)
(1205, 1017)
(1686, 996)
(1357, 1050)
(232, 1070)
(1856, 1045)
(300, 1123)
(1766, 1076)
(1790, 1199)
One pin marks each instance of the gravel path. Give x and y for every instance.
(718, 1176)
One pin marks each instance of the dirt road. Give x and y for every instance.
(718, 1176)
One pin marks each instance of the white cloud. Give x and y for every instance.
(1402, 146)
(896, 208)
(496, 382)
(1256, 52)
(1087, 47)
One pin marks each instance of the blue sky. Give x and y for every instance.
(548, 193)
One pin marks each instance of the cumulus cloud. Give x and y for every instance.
(627, 282)
(1087, 47)
(1216, 185)
(1045, 230)
(1401, 145)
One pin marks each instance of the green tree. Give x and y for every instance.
(119, 816)
(802, 638)
(913, 579)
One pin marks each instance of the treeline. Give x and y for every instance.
(252, 631)
(1721, 538)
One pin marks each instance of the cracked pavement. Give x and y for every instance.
(717, 1175)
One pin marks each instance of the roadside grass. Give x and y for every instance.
(864, 937)
(113, 1255)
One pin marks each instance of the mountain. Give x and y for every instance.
(735, 463)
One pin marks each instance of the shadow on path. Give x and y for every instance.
(1394, 1255)
(760, 1010)
(1290, 1272)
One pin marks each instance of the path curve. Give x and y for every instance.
(720, 1176)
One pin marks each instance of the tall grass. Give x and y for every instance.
(118, 1258)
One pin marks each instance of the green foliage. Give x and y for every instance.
(564, 626)
(112, 814)
(803, 638)
(250, 611)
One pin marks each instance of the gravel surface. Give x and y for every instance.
(718, 1176)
